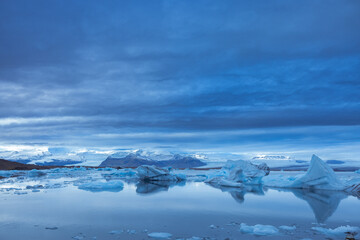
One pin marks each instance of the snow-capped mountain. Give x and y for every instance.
(271, 157)
(138, 158)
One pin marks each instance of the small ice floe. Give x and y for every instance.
(79, 237)
(97, 186)
(35, 190)
(115, 232)
(35, 187)
(195, 238)
(162, 235)
(339, 231)
(258, 229)
(131, 231)
(212, 226)
(151, 173)
(287, 228)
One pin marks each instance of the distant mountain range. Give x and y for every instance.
(56, 162)
(271, 157)
(135, 160)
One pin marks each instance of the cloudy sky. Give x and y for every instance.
(247, 77)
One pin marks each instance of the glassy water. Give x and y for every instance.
(185, 210)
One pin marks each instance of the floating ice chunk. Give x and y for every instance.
(240, 172)
(357, 171)
(105, 169)
(181, 176)
(78, 237)
(7, 173)
(318, 176)
(151, 173)
(35, 187)
(111, 186)
(246, 172)
(339, 231)
(76, 169)
(193, 238)
(20, 192)
(353, 187)
(125, 173)
(131, 231)
(287, 228)
(115, 232)
(278, 180)
(162, 235)
(258, 229)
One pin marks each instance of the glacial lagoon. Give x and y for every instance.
(57, 207)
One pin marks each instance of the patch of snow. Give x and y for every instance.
(258, 229)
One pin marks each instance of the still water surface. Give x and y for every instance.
(184, 210)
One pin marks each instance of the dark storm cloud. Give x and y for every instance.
(81, 68)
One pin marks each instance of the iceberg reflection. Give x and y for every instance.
(322, 202)
(238, 193)
(143, 187)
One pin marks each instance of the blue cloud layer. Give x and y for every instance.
(180, 73)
